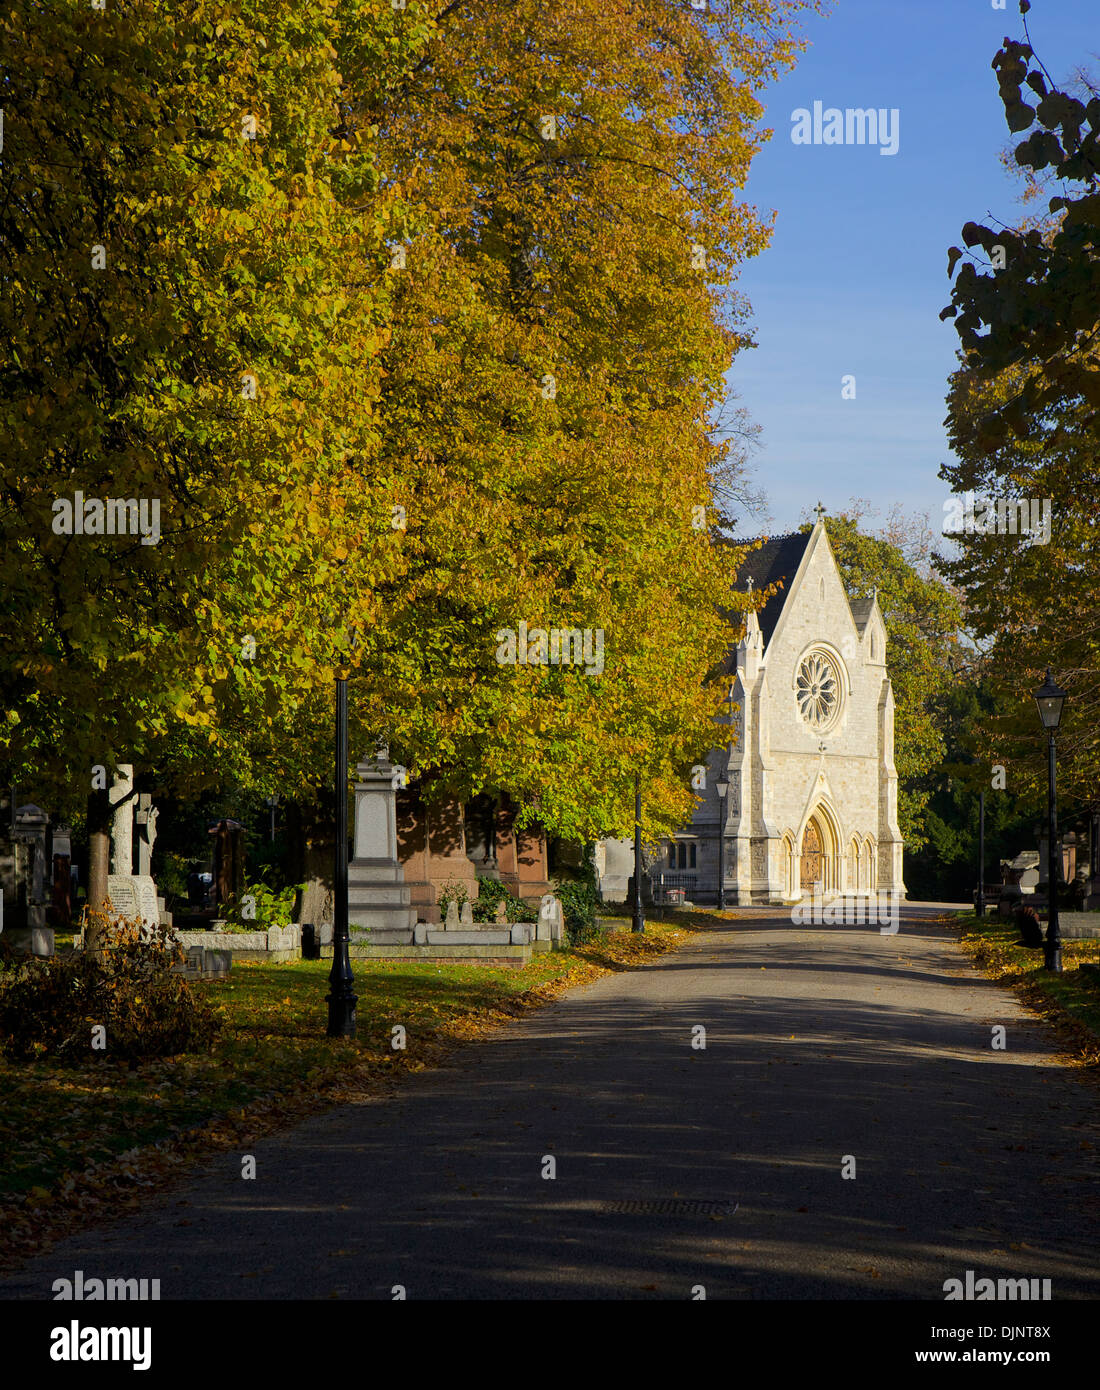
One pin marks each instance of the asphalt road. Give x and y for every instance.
(822, 1044)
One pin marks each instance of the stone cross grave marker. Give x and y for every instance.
(146, 820)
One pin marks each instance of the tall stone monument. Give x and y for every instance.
(122, 826)
(378, 896)
(133, 896)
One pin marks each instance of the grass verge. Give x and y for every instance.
(1070, 1002)
(81, 1144)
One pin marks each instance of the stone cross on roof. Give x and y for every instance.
(820, 510)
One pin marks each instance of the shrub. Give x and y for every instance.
(273, 907)
(578, 901)
(49, 1007)
(491, 892)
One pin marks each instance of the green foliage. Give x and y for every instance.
(1024, 423)
(564, 255)
(263, 256)
(219, 353)
(48, 1008)
(578, 894)
(945, 867)
(1040, 308)
(578, 900)
(274, 907)
(490, 892)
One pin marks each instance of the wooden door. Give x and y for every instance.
(811, 857)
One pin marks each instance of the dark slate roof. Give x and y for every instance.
(776, 560)
(861, 611)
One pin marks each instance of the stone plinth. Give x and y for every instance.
(1078, 926)
(378, 896)
(273, 944)
(452, 953)
(475, 936)
(614, 868)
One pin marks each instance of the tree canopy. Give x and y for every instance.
(1023, 419)
(414, 326)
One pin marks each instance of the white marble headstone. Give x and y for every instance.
(133, 896)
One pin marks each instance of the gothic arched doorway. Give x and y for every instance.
(811, 871)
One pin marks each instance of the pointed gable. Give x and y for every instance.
(776, 561)
(861, 612)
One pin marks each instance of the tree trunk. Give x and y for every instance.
(99, 866)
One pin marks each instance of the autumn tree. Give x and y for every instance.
(405, 363)
(192, 251)
(563, 323)
(1024, 417)
(193, 259)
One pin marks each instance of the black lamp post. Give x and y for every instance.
(721, 787)
(341, 997)
(1050, 698)
(639, 923)
(981, 855)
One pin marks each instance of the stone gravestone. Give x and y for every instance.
(61, 906)
(216, 964)
(501, 914)
(228, 860)
(451, 921)
(32, 883)
(133, 897)
(551, 919)
(28, 930)
(1025, 870)
(466, 916)
(148, 907)
(145, 821)
(123, 895)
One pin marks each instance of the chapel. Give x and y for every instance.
(810, 803)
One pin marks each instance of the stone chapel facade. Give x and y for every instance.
(812, 787)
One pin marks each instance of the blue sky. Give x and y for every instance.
(856, 272)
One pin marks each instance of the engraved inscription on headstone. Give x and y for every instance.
(133, 896)
(123, 893)
(147, 899)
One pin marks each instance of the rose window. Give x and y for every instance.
(817, 690)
